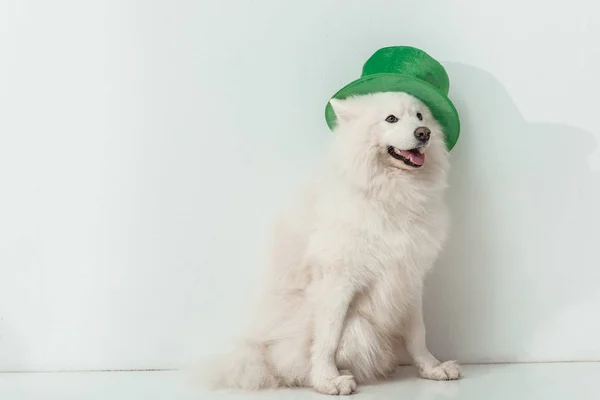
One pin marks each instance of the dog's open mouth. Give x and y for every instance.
(413, 157)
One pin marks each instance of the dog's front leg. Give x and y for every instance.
(414, 339)
(335, 295)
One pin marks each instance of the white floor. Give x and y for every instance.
(570, 381)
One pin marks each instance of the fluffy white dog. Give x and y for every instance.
(348, 261)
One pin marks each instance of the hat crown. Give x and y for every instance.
(406, 60)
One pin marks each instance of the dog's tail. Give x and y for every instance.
(244, 368)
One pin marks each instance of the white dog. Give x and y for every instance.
(348, 261)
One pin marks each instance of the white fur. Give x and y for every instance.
(348, 261)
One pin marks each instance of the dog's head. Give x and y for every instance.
(388, 135)
(396, 129)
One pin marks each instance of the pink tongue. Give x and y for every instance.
(415, 158)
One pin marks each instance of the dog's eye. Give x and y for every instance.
(420, 116)
(391, 119)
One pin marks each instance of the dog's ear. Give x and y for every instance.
(343, 109)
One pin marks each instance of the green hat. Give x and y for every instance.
(410, 70)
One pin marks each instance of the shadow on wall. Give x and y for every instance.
(519, 278)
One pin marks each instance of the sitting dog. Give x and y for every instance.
(349, 258)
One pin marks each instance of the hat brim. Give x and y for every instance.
(439, 104)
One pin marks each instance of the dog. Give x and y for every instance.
(348, 259)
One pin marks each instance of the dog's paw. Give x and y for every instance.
(446, 371)
(341, 385)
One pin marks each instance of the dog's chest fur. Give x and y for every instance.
(385, 243)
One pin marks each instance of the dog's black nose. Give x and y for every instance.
(423, 133)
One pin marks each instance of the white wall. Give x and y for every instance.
(144, 146)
